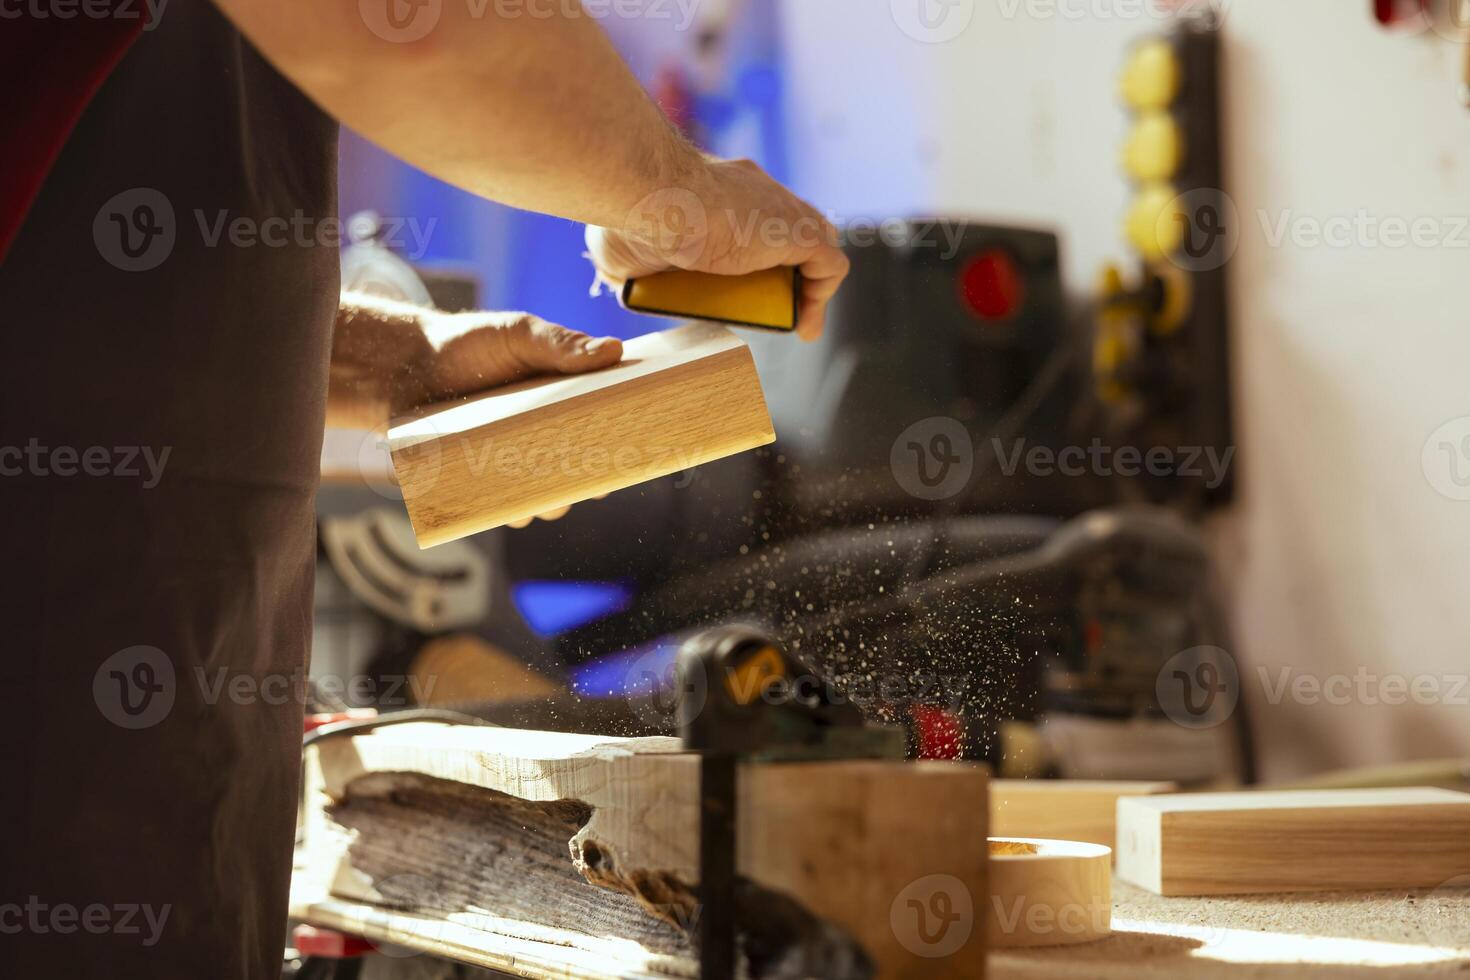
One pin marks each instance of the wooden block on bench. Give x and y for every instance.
(1306, 840)
(678, 399)
(1063, 809)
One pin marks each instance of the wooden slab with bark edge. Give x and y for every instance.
(678, 399)
(1062, 809)
(1301, 840)
(1048, 892)
(849, 843)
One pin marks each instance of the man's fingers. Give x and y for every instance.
(542, 346)
(822, 274)
(482, 350)
(550, 515)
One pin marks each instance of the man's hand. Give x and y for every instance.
(728, 217)
(471, 352)
(402, 357)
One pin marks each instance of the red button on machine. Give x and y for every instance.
(991, 286)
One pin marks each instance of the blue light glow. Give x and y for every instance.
(550, 608)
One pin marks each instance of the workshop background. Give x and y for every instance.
(1340, 550)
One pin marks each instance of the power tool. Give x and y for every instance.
(742, 697)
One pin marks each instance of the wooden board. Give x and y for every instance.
(1307, 840)
(678, 399)
(1048, 892)
(1062, 809)
(578, 840)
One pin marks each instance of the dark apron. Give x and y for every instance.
(155, 610)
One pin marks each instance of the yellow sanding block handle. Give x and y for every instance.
(767, 299)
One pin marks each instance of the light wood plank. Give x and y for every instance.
(678, 399)
(1244, 843)
(1063, 809)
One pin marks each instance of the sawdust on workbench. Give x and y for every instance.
(1425, 932)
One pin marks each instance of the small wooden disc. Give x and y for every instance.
(1048, 892)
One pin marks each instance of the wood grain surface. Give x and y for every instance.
(1062, 809)
(1048, 892)
(678, 399)
(1300, 840)
(891, 854)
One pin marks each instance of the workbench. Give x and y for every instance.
(461, 842)
(1312, 934)
(1332, 935)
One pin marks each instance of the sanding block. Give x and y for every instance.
(678, 399)
(768, 299)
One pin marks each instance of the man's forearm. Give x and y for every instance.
(377, 345)
(378, 335)
(525, 103)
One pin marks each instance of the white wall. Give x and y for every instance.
(1342, 557)
(1348, 360)
(1014, 119)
